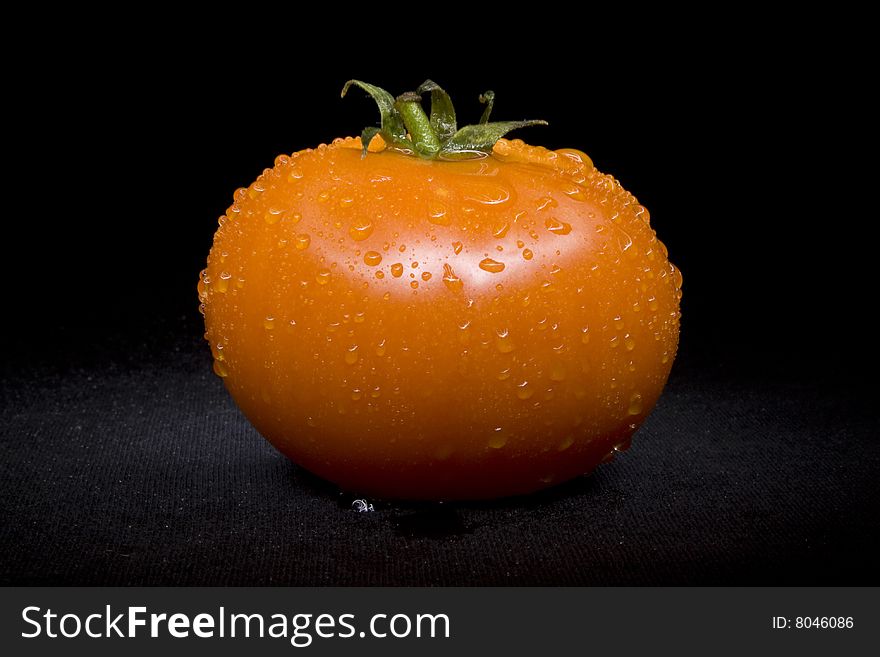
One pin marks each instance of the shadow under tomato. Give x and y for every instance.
(436, 520)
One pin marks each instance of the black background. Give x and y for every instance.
(743, 139)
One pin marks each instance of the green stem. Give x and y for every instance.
(405, 126)
(425, 141)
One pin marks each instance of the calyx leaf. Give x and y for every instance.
(405, 126)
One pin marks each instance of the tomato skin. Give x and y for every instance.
(441, 330)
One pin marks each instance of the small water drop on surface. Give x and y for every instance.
(220, 369)
(546, 202)
(524, 391)
(269, 323)
(527, 254)
(414, 284)
(295, 218)
(451, 281)
(295, 174)
(272, 216)
(557, 227)
(351, 355)
(635, 404)
(437, 215)
(577, 193)
(457, 246)
(323, 276)
(372, 258)
(323, 196)
(380, 348)
(491, 266)
(503, 342)
(302, 241)
(361, 230)
(629, 343)
(500, 229)
(426, 276)
(618, 322)
(497, 440)
(222, 283)
(397, 270)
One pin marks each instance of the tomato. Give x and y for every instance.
(441, 329)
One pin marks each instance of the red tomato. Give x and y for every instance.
(434, 329)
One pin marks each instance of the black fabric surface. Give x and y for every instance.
(124, 461)
(131, 465)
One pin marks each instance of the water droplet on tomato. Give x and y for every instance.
(635, 404)
(451, 281)
(220, 369)
(629, 343)
(556, 226)
(361, 230)
(498, 439)
(576, 193)
(269, 322)
(500, 229)
(524, 391)
(302, 241)
(503, 341)
(426, 276)
(222, 283)
(351, 355)
(489, 195)
(491, 266)
(372, 258)
(323, 276)
(457, 246)
(273, 216)
(527, 254)
(546, 202)
(437, 215)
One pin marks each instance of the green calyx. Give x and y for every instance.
(405, 125)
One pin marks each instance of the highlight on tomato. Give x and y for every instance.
(435, 312)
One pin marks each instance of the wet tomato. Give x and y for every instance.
(451, 327)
